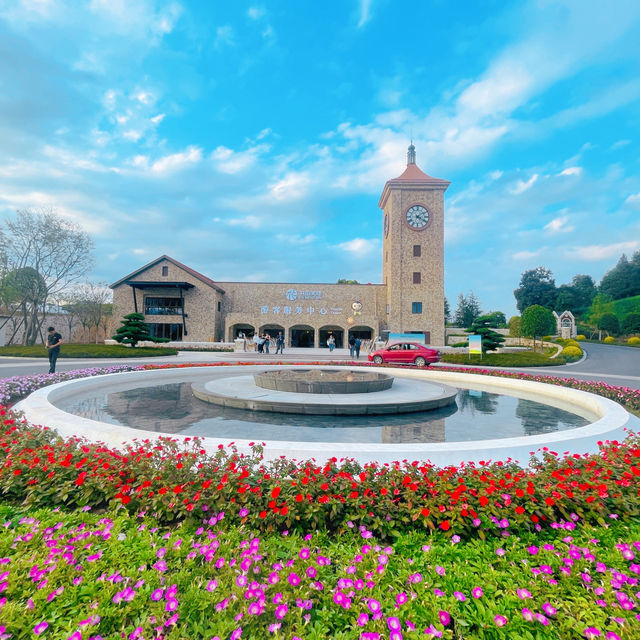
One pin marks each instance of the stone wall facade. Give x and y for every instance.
(409, 300)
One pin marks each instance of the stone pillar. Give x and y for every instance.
(316, 337)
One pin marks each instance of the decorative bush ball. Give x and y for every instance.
(572, 343)
(546, 338)
(634, 341)
(571, 353)
(581, 337)
(609, 340)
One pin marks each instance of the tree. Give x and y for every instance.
(447, 312)
(90, 302)
(467, 311)
(484, 326)
(609, 322)
(345, 281)
(618, 282)
(600, 305)
(56, 254)
(499, 317)
(631, 323)
(514, 327)
(584, 289)
(133, 330)
(537, 321)
(537, 287)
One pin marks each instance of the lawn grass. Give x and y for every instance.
(86, 351)
(524, 359)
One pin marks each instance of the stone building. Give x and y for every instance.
(182, 304)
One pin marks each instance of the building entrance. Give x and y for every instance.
(336, 332)
(302, 336)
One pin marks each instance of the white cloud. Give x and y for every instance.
(177, 161)
(521, 186)
(365, 12)
(255, 13)
(296, 239)
(146, 97)
(559, 225)
(633, 200)
(293, 186)
(360, 247)
(571, 171)
(139, 252)
(595, 252)
(229, 161)
(253, 222)
(132, 134)
(159, 118)
(526, 255)
(225, 36)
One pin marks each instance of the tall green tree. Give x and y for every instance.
(537, 286)
(618, 282)
(537, 321)
(484, 326)
(515, 327)
(467, 311)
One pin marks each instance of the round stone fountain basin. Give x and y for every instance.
(323, 381)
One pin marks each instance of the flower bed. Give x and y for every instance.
(176, 479)
(75, 576)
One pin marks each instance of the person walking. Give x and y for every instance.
(267, 342)
(352, 345)
(280, 343)
(54, 341)
(356, 347)
(260, 343)
(331, 343)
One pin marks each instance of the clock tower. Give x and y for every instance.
(413, 252)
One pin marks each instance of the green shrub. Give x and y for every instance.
(460, 344)
(546, 338)
(609, 322)
(581, 337)
(609, 340)
(631, 323)
(522, 359)
(634, 341)
(571, 353)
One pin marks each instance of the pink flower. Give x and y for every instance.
(477, 592)
(40, 627)
(499, 620)
(444, 617)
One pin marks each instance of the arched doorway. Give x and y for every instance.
(331, 330)
(236, 329)
(301, 335)
(364, 333)
(273, 330)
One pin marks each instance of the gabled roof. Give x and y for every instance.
(189, 270)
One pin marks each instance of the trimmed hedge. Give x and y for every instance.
(73, 350)
(523, 359)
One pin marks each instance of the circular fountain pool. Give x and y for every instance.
(492, 418)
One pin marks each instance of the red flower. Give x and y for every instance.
(425, 512)
(445, 525)
(275, 492)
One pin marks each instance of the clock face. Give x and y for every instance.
(386, 226)
(417, 217)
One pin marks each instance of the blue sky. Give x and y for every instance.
(252, 140)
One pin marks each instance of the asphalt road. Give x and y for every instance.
(613, 364)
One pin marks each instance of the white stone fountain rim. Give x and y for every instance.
(612, 421)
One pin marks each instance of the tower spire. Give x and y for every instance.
(411, 154)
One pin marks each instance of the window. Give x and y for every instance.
(416, 277)
(165, 271)
(387, 309)
(417, 251)
(219, 305)
(162, 330)
(162, 306)
(416, 307)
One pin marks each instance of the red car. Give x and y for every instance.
(406, 353)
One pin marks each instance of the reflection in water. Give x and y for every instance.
(172, 409)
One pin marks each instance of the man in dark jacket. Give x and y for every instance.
(54, 341)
